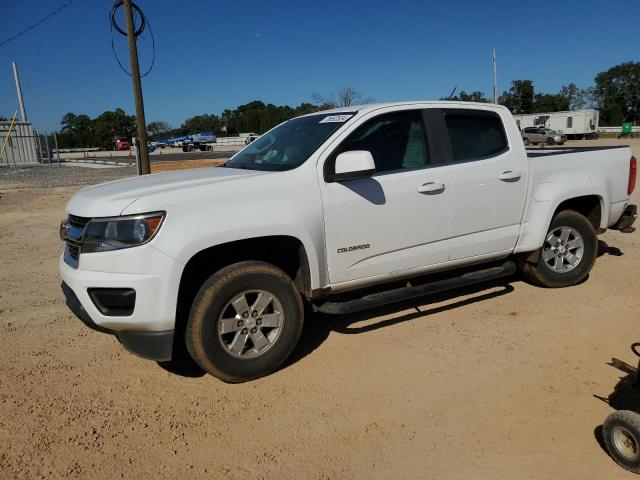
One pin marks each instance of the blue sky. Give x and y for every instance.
(216, 55)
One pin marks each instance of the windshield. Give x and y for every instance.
(290, 144)
(548, 130)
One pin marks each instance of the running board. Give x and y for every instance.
(374, 300)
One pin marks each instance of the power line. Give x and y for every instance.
(144, 23)
(39, 22)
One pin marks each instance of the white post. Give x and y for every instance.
(19, 90)
(134, 141)
(495, 78)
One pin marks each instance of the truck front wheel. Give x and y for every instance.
(245, 321)
(568, 254)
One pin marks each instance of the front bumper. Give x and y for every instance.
(147, 328)
(156, 346)
(628, 218)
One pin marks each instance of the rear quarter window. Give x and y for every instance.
(475, 134)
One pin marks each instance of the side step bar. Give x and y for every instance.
(406, 293)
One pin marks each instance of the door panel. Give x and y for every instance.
(382, 224)
(396, 220)
(488, 180)
(485, 211)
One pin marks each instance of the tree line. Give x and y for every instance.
(616, 93)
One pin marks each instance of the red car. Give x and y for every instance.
(122, 143)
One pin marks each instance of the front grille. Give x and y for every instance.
(74, 250)
(73, 238)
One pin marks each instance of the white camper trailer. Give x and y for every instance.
(576, 124)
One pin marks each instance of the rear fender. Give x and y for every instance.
(546, 198)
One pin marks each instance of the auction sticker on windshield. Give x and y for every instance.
(336, 119)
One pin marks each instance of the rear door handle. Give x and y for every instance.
(510, 176)
(431, 188)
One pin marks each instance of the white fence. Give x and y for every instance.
(617, 129)
(21, 144)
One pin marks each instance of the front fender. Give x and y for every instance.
(189, 249)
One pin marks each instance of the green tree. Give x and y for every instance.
(109, 125)
(519, 98)
(617, 92)
(463, 96)
(82, 131)
(577, 98)
(200, 123)
(158, 129)
(76, 131)
(550, 102)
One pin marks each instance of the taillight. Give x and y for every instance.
(633, 170)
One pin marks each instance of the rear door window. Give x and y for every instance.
(475, 134)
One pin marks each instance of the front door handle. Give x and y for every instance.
(431, 188)
(510, 176)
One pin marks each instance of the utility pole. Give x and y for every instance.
(495, 79)
(19, 90)
(143, 167)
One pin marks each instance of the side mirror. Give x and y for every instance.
(354, 164)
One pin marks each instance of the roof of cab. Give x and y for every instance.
(440, 103)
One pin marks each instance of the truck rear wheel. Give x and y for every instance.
(568, 254)
(245, 321)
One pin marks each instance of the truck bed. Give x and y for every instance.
(545, 152)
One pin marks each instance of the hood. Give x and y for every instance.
(110, 199)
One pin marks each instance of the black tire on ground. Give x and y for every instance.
(211, 310)
(542, 273)
(550, 141)
(621, 434)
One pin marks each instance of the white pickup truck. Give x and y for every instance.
(343, 210)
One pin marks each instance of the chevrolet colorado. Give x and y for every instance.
(345, 210)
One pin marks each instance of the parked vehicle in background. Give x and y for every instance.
(342, 210)
(538, 135)
(203, 141)
(121, 143)
(575, 124)
(627, 130)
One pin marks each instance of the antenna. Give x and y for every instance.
(495, 78)
(452, 92)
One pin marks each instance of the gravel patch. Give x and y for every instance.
(44, 176)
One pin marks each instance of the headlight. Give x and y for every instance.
(557, 137)
(105, 234)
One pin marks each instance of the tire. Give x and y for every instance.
(621, 433)
(526, 141)
(235, 356)
(574, 263)
(550, 141)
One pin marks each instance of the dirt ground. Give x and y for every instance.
(507, 381)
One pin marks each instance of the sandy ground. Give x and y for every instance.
(501, 382)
